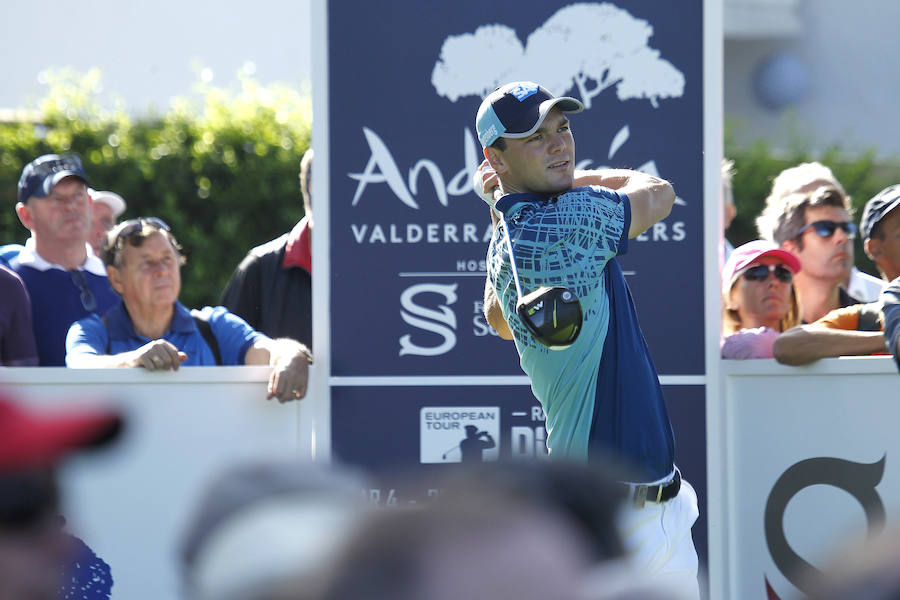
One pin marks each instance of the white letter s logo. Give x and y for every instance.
(440, 320)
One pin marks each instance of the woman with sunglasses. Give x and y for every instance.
(759, 299)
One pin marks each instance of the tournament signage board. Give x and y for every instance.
(825, 478)
(417, 378)
(408, 237)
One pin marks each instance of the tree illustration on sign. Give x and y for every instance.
(586, 46)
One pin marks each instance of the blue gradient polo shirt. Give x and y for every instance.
(233, 334)
(601, 395)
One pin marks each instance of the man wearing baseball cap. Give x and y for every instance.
(599, 390)
(855, 329)
(65, 281)
(38, 559)
(886, 229)
(106, 208)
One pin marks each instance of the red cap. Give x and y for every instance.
(743, 256)
(30, 439)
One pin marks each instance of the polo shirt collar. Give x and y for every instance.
(120, 327)
(507, 203)
(29, 257)
(297, 251)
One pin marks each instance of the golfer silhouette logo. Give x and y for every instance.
(472, 448)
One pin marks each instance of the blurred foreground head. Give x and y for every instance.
(261, 525)
(472, 549)
(525, 530)
(35, 552)
(867, 570)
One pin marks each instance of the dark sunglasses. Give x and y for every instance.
(88, 301)
(761, 273)
(826, 229)
(128, 228)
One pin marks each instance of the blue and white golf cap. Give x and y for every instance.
(517, 109)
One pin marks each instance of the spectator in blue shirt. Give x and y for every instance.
(149, 328)
(65, 281)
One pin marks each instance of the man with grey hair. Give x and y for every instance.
(807, 177)
(815, 224)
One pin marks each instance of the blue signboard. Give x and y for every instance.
(408, 237)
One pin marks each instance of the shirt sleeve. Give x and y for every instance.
(232, 333)
(846, 318)
(615, 212)
(87, 336)
(890, 297)
(623, 240)
(17, 345)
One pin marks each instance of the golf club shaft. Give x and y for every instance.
(512, 257)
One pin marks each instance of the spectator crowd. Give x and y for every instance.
(795, 294)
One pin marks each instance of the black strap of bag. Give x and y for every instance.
(208, 335)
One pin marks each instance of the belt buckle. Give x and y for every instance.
(640, 496)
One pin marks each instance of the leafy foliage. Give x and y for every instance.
(758, 164)
(222, 172)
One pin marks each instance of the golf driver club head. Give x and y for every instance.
(552, 315)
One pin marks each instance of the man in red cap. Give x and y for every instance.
(38, 560)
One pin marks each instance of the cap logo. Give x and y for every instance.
(489, 133)
(523, 91)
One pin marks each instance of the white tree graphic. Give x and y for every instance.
(473, 63)
(586, 46)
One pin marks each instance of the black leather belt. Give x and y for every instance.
(640, 494)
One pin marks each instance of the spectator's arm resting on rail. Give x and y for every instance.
(806, 343)
(890, 299)
(290, 362)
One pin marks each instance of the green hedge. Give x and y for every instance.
(757, 165)
(221, 171)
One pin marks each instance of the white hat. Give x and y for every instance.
(114, 201)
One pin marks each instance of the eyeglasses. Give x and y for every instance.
(826, 229)
(761, 273)
(125, 229)
(88, 301)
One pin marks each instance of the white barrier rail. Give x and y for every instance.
(131, 503)
(814, 446)
(801, 460)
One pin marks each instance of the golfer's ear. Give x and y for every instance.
(495, 159)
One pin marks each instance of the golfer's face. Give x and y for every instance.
(544, 162)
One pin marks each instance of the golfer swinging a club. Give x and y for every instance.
(557, 234)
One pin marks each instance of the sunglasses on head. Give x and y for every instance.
(127, 228)
(826, 229)
(761, 273)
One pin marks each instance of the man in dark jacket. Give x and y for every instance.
(272, 289)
